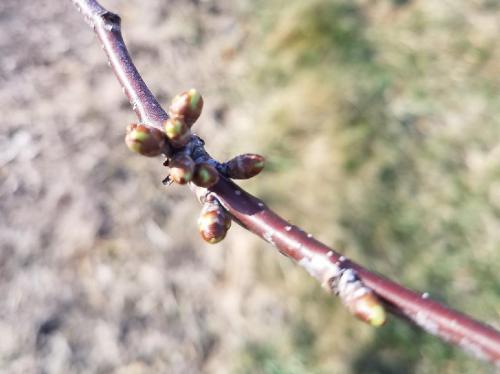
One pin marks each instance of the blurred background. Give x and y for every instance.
(381, 123)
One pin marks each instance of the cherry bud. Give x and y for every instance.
(214, 222)
(359, 299)
(177, 131)
(181, 169)
(148, 141)
(368, 308)
(205, 175)
(245, 166)
(187, 105)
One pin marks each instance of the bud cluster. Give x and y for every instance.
(184, 170)
(149, 141)
(176, 141)
(358, 298)
(214, 221)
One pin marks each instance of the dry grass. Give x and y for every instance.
(382, 120)
(382, 114)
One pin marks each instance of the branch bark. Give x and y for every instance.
(320, 261)
(107, 27)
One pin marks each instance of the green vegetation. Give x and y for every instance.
(381, 121)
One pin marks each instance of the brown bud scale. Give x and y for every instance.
(205, 175)
(148, 141)
(359, 299)
(177, 132)
(214, 222)
(181, 169)
(245, 166)
(188, 106)
(367, 307)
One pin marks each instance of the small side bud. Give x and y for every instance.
(245, 166)
(367, 308)
(205, 175)
(214, 222)
(181, 169)
(177, 131)
(359, 299)
(187, 105)
(148, 141)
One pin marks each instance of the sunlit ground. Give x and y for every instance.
(380, 121)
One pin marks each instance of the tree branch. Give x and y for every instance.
(319, 260)
(107, 27)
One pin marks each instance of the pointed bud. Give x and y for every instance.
(146, 140)
(187, 105)
(359, 299)
(245, 166)
(177, 131)
(368, 308)
(205, 175)
(181, 169)
(214, 222)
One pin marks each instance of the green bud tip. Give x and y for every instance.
(195, 97)
(135, 147)
(174, 127)
(140, 136)
(145, 140)
(377, 316)
(204, 175)
(260, 164)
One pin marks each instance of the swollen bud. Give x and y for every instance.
(177, 131)
(359, 299)
(187, 105)
(148, 141)
(181, 169)
(214, 222)
(205, 175)
(367, 308)
(245, 166)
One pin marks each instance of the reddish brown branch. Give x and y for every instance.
(107, 26)
(319, 260)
